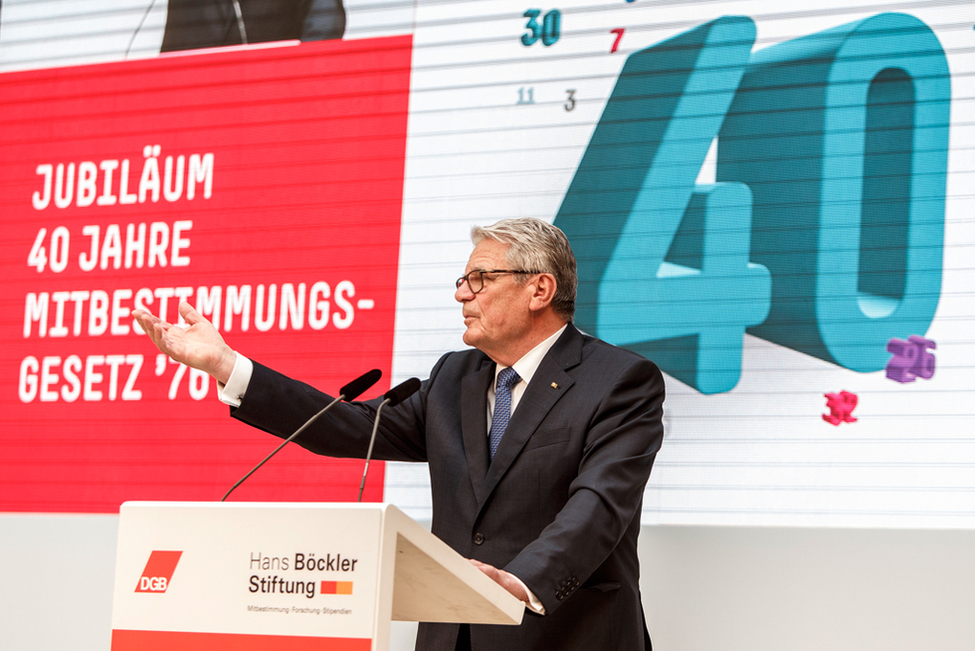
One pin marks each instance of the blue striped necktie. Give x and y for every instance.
(507, 378)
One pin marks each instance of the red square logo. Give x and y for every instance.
(158, 571)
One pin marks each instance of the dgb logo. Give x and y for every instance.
(158, 571)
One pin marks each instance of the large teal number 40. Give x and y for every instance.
(824, 232)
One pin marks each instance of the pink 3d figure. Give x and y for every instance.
(841, 406)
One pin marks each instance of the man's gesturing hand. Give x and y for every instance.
(197, 345)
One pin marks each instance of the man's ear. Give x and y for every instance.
(544, 291)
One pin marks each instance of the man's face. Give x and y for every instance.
(498, 317)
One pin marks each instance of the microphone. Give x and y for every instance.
(350, 391)
(400, 392)
(393, 397)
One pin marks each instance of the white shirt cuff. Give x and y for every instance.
(533, 603)
(233, 392)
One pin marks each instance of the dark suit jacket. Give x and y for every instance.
(559, 506)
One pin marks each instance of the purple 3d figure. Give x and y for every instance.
(911, 359)
(841, 407)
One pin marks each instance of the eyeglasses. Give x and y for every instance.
(475, 279)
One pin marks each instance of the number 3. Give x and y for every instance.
(534, 29)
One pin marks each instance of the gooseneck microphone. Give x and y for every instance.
(350, 391)
(393, 397)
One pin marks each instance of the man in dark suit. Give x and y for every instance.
(540, 442)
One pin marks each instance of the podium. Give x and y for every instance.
(195, 576)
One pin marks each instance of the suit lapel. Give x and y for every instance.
(473, 411)
(548, 385)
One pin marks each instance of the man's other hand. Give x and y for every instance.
(505, 579)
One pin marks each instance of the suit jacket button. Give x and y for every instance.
(478, 539)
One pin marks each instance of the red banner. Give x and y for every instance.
(263, 186)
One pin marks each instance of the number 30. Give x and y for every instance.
(549, 31)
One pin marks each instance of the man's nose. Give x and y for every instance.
(463, 292)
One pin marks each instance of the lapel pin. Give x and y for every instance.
(555, 385)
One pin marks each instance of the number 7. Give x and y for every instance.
(619, 36)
